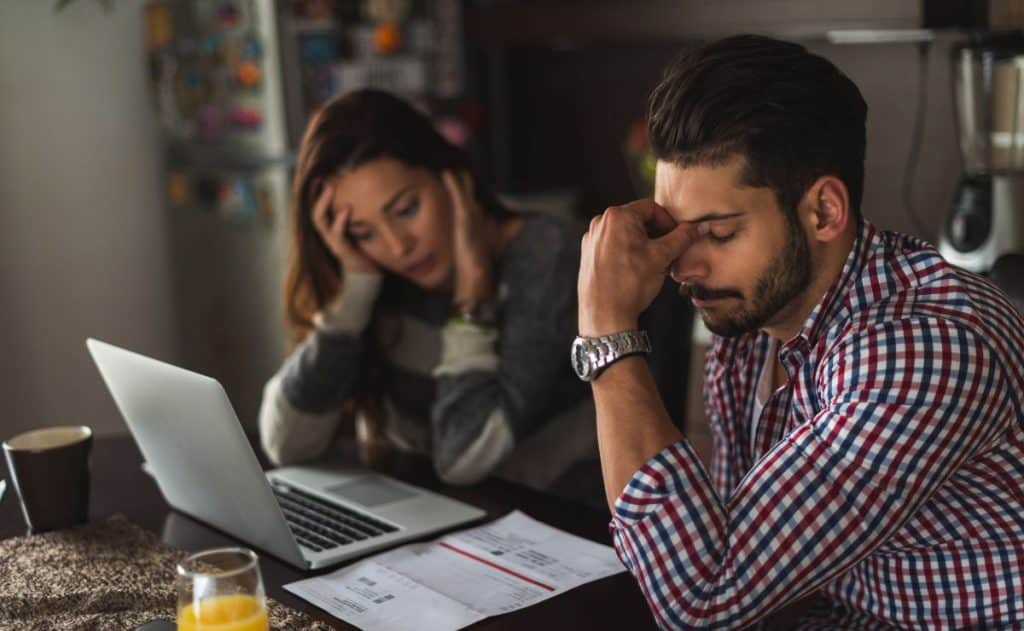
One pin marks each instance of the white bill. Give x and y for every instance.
(463, 577)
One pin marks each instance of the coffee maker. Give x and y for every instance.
(987, 217)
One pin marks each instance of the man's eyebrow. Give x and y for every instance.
(713, 216)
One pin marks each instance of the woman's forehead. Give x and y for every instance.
(369, 187)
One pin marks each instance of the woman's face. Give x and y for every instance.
(401, 219)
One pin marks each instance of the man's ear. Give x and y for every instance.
(828, 208)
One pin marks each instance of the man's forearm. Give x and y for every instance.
(632, 424)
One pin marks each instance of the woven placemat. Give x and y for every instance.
(106, 575)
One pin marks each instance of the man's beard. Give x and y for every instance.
(786, 277)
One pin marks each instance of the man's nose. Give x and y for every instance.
(691, 266)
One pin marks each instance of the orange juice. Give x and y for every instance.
(235, 612)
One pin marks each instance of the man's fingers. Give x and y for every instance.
(668, 238)
(671, 246)
(656, 219)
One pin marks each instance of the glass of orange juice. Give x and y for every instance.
(221, 590)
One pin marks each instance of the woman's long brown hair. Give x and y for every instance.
(345, 133)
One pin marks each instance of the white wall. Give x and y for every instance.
(83, 245)
(887, 76)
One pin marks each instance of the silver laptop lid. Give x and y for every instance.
(190, 436)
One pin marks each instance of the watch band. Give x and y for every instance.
(591, 355)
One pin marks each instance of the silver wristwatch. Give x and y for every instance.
(591, 355)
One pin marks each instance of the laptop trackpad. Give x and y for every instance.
(370, 491)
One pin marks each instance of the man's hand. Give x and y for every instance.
(625, 254)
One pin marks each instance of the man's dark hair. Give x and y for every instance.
(791, 114)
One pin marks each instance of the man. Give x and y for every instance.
(864, 395)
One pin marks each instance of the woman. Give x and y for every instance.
(413, 295)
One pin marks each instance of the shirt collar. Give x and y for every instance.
(835, 304)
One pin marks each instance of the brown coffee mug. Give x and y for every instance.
(50, 472)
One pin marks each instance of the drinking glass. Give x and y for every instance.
(221, 590)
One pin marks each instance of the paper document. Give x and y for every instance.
(461, 578)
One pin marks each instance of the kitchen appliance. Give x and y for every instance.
(987, 216)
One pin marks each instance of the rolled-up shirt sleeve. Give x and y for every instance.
(904, 404)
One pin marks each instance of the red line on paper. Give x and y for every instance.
(497, 567)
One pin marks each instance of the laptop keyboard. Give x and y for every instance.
(320, 525)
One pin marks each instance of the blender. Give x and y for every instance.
(986, 220)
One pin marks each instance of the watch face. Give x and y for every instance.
(580, 359)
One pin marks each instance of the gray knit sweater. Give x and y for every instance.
(466, 396)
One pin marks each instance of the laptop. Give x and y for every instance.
(308, 516)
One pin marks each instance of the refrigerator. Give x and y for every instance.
(232, 84)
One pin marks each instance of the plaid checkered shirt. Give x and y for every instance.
(886, 475)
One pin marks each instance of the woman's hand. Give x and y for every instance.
(332, 229)
(472, 254)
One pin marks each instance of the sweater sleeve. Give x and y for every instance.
(494, 386)
(302, 402)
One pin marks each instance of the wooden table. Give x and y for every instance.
(120, 486)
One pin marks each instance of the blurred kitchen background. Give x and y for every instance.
(145, 147)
